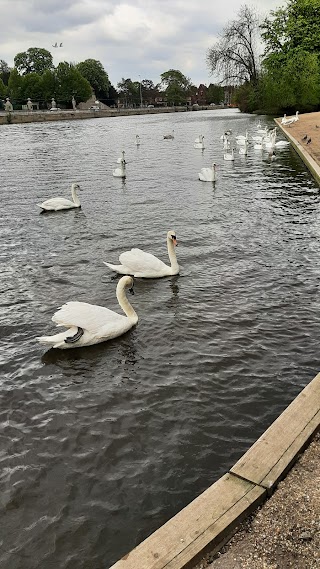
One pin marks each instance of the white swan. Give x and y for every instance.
(208, 174)
(228, 155)
(282, 143)
(120, 172)
(199, 144)
(169, 136)
(241, 138)
(140, 264)
(137, 140)
(226, 143)
(57, 204)
(90, 324)
(270, 140)
(225, 134)
(288, 121)
(243, 150)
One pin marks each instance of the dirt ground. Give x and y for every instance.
(285, 532)
(307, 125)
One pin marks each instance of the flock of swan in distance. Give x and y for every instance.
(88, 324)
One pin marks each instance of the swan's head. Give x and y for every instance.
(76, 187)
(171, 235)
(126, 282)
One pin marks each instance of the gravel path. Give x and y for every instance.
(308, 126)
(285, 532)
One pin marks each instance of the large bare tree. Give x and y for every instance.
(235, 56)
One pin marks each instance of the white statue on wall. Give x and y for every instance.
(53, 105)
(8, 105)
(29, 104)
(74, 104)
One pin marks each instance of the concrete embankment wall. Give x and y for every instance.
(17, 117)
(212, 518)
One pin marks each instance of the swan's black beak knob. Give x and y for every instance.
(131, 290)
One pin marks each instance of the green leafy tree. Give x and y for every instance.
(246, 97)
(129, 93)
(31, 87)
(291, 73)
(215, 94)
(113, 96)
(48, 85)
(149, 90)
(291, 81)
(235, 56)
(70, 82)
(34, 60)
(176, 86)
(3, 89)
(15, 85)
(4, 71)
(295, 26)
(93, 71)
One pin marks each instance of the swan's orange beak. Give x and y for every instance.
(175, 242)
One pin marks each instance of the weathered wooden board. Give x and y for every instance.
(204, 521)
(273, 453)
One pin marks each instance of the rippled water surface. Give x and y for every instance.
(102, 445)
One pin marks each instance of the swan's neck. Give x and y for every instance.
(172, 256)
(75, 198)
(125, 304)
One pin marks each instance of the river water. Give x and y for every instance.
(102, 445)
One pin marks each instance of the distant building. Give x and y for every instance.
(200, 96)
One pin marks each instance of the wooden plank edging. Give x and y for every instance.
(211, 519)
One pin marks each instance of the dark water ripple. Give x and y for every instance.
(100, 446)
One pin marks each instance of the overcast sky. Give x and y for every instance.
(132, 39)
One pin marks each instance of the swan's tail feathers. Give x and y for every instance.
(117, 268)
(58, 340)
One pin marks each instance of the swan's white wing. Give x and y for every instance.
(138, 261)
(88, 316)
(206, 175)
(54, 202)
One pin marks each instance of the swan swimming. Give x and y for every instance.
(228, 155)
(145, 265)
(200, 143)
(90, 324)
(282, 143)
(120, 172)
(57, 204)
(243, 150)
(208, 174)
